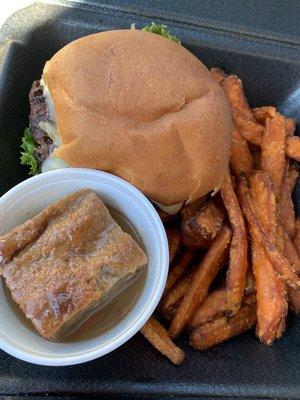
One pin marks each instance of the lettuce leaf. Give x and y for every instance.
(159, 29)
(29, 146)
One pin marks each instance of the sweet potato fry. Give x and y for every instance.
(174, 296)
(253, 133)
(170, 312)
(234, 90)
(293, 147)
(290, 252)
(261, 236)
(204, 224)
(174, 242)
(180, 266)
(292, 177)
(294, 295)
(241, 161)
(256, 156)
(238, 253)
(271, 298)
(294, 300)
(200, 243)
(218, 330)
(157, 335)
(262, 113)
(205, 273)
(286, 206)
(218, 74)
(262, 191)
(250, 283)
(190, 209)
(273, 151)
(297, 236)
(248, 127)
(290, 126)
(213, 306)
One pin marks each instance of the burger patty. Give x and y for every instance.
(39, 112)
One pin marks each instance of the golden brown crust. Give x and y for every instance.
(144, 108)
(63, 272)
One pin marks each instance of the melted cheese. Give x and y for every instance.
(172, 210)
(51, 163)
(51, 131)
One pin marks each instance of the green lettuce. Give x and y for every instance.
(29, 147)
(159, 29)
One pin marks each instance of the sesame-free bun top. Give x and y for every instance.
(144, 108)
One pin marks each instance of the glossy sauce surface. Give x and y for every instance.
(112, 313)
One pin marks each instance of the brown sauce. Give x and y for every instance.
(111, 314)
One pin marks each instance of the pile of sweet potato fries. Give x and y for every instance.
(249, 230)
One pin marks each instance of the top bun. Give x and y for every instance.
(144, 108)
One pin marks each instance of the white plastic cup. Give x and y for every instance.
(30, 197)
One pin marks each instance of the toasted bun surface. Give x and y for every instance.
(144, 108)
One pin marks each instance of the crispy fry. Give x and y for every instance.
(248, 127)
(218, 74)
(273, 151)
(170, 312)
(253, 133)
(180, 266)
(213, 306)
(262, 191)
(297, 236)
(241, 161)
(286, 206)
(216, 331)
(205, 273)
(205, 223)
(256, 156)
(294, 295)
(293, 147)
(190, 209)
(271, 299)
(157, 335)
(250, 283)
(261, 236)
(234, 90)
(262, 113)
(174, 242)
(290, 252)
(290, 126)
(294, 300)
(292, 177)
(200, 243)
(174, 296)
(238, 261)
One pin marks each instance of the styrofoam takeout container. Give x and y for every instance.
(30, 197)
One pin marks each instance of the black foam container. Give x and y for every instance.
(260, 43)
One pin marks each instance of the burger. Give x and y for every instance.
(137, 105)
